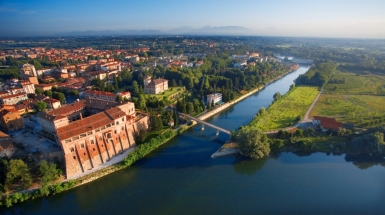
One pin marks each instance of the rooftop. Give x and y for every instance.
(89, 123)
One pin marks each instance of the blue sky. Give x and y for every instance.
(326, 18)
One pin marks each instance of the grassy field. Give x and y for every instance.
(284, 112)
(348, 83)
(361, 110)
(168, 94)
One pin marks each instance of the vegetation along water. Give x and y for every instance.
(180, 177)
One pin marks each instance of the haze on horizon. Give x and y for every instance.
(328, 18)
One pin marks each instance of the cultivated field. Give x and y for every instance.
(353, 84)
(361, 110)
(286, 111)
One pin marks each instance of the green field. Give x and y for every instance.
(284, 112)
(360, 110)
(170, 94)
(348, 83)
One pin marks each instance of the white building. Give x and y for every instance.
(216, 97)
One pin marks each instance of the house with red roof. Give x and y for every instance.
(327, 123)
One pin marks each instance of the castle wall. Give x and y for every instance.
(92, 150)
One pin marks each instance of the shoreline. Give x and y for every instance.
(119, 164)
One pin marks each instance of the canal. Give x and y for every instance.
(181, 178)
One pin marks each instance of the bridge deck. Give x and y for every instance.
(206, 123)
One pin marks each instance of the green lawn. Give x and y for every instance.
(284, 112)
(361, 110)
(172, 91)
(349, 83)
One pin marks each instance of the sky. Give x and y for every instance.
(326, 18)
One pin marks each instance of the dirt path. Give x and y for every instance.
(306, 117)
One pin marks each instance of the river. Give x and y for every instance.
(181, 178)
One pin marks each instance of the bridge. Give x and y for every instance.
(206, 123)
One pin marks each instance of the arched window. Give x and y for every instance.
(122, 128)
(92, 142)
(82, 145)
(72, 149)
(109, 135)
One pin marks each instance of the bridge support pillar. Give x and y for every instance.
(217, 133)
(202, 127)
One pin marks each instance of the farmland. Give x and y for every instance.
(360, 110)
(286, 111)
(353, 84)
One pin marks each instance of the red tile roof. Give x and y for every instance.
(329, 123)
(89, 123)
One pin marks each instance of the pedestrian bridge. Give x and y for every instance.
(205, 123)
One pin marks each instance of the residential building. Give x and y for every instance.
(216, 97)
(125, 95)
(28, 72)
(10, 120)
(52, 103)
(155, 86)
(13, 99)
(96, 94)
(7, 147)
(326, 123)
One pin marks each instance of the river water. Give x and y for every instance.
(181, 178)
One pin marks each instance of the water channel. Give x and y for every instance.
(181, 178)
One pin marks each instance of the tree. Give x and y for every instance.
(277, 96)
(156, 123)
(59, 96)
(40, 106)
(190, 108)
(261, 111)
(176, 122)
(167, 116)
(48, 93)
(252, 142)
(48, 173)
(141, 102)
(119, 98)
(135, 88)
(173, 83)
(38, 91)
(74, 92)
(142, 134)
(18, 172)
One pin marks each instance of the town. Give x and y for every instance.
(85, 109)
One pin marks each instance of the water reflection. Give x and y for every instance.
(246, 166)
(365, 161)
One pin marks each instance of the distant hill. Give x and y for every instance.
(184, 30)
(208, 30)
(112, 33)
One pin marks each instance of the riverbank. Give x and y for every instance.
(244, 96)
(141, 151)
